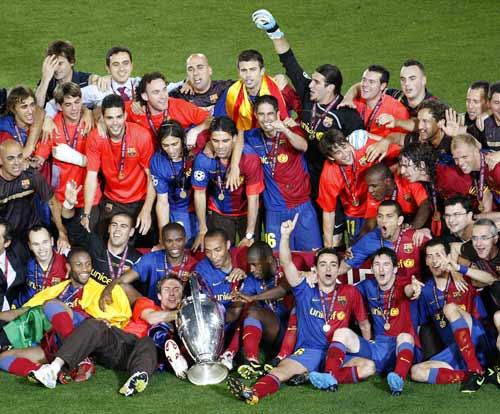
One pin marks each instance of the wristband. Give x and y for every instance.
(67, 205)
(275, 32)
(463, 269)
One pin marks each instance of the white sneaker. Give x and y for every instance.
(226, 359)
(178, 362)
(45, 375)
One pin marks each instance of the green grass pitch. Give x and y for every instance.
(458, 41)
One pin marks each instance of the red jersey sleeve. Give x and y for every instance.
(371, 207)
(186, 113)
(4, 136)
(329, 186)
(44, 149)
(253, 174)
(94, 151)
(358, 305)
(140, 306)
(147, 149)
(418, 192)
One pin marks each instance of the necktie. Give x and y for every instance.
(123, 94)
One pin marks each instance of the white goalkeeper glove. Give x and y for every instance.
(266, 21)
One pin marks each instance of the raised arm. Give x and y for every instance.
(292, 274)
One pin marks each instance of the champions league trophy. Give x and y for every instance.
(201, 327)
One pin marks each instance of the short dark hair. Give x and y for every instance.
(380, 169)
(384, 73)
(333, 76)
(217, 232)
(169, 276)
(224, 124)
(494, 88)
(249, 55)
(112, 101)
(325, 250)
(481, 85)
(8, 233)
(464, 201)
(77, 250)
(171, 128)
(436, 242)
(145, 80)
(37, 228)
(332, 138)
(414, 62)
(388, 252)
(173, 226)
(117, 49)
(260, 249)
(122, 213)
(62, 48)
(435, 107)
(266, 99)
(67, 89)
(17, 95)
(392, 203)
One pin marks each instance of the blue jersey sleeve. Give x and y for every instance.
(364, 248)
(144, 266)
(201, 171)
(220, 106)
(157, 168)
(250, 286)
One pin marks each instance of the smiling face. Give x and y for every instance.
(71, 108)
(81, 266)
(24, 112)
(384, 271)
(120, 67)
(174, 243)
(327, 268)
(266, 115)
(435, 259)
(40, 243)
(483, 241)
(465, 157)
(170, 294)
(156, 96)
(342, 154)
(371, 86)
(476, 103)
(319, 89)
(427, 125)
(120, 230)
(457, 218)
(114, 119)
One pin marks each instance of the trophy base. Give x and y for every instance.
(207, 373)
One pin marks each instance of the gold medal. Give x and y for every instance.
(220, 196)
(387, 326)
(437, 216)
(182, 194)
(481, 206)
(355, 202)
(121, 175)
(442, 324)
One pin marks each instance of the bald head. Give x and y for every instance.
(11, 158)
(199, 72)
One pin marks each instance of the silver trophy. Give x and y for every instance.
(201, 327)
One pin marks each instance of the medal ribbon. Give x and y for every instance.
(150, 120)
(372, 115)
(43, 284)
(68, 300)
(219, 177)
(351, 194)
(74, 141)
(480, 185)
(170, 269)
(123, 150)
(180, 176)
(386, 313)
(445, 293)
(315, 122)
(272, 156)
(121, 265)
(324, 302)
(18, 136)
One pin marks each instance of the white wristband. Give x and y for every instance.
(67, 205)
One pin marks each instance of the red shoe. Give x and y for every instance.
(84, 371)
(65, 377)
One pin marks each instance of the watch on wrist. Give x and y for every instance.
(249, 236)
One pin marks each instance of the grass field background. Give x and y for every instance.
(458, 41)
